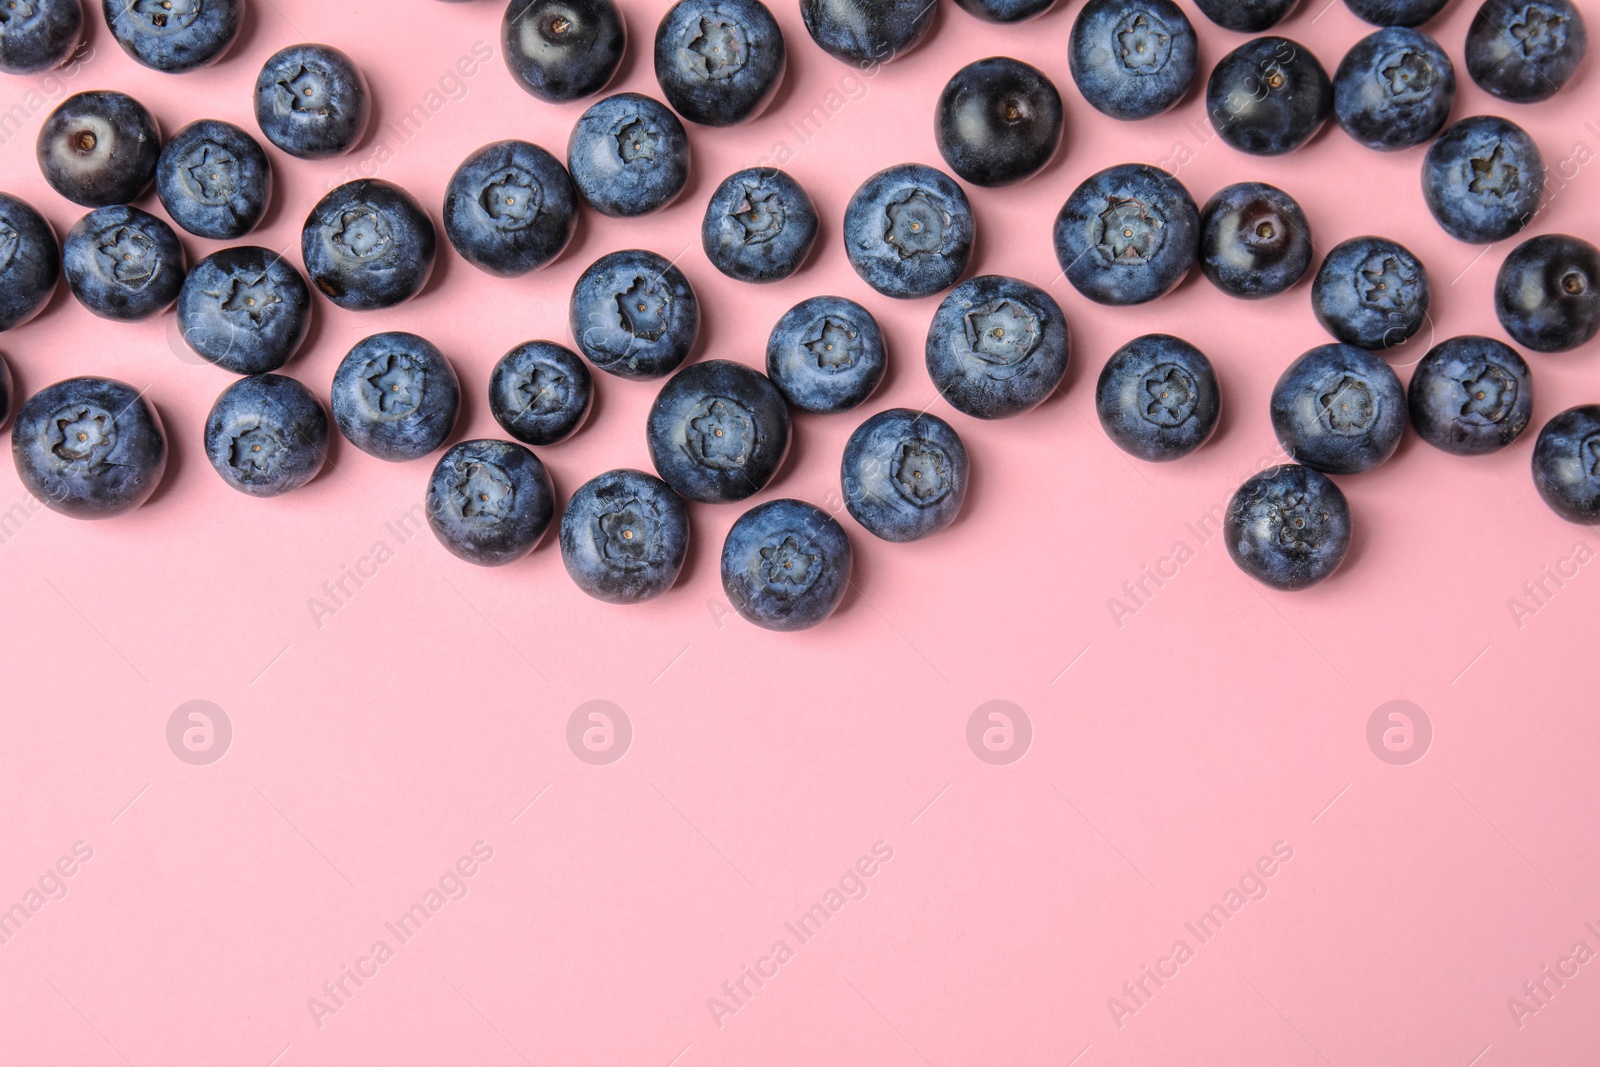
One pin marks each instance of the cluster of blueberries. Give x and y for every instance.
(718, 430)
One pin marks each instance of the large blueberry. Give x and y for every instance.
(904, 474)
(1157, 398)
(624, 537)
(1525, 50)
(99, 148)
(1566, 464)
(395, 396)
(540, 393)
(266, 435)
(629, 155)
(1246, 16)
(1254, 240)
(510, 207)
(246, 309)
(1339, 409)
(997, 347)
(1470, 395)
(1132, 58)
(89, 448)
(1371, 292)
(1288, 527)
(1483, 180)
(826, 355)
(786, 565)
(1127, 234)
(490, 502)
(1394, 89)
(865, 32)
(718, 431)
(214, 180)
(30, 262)
(719, 62)
(1547, 294)
(174, 35)
(1268, 96)
(37, 35)
(998, 121)
(312, 101)
(1396, 12)
(634, 314)
(1006, 11)
(123, 264)
(368, 245)
(759, 225)
(562, 50)
(908, 231)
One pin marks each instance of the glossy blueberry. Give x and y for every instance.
(1483, 179)
(1396, 12)
(1254, 240)
(30, 262)
(1246, 16)
(998, 121)
(1268, 96)
(1525, 50)
(89, 448)
(123, 264)
(312, 101)
(634, 314)
(266, 435)
(624, 537)
(1566, 464)
(510, 207)
(540, 393)
(826, 355)
(1470, 395)
(395, 396)
(1394, 89)
(1127, 234)
(1547, 294)
(245, 309)
(1288, 527)
(1132, 58)
(214, 180)
(1371, 292)
(7, 392)
(864, 32)
(1339, 409)
(719, 62)
(718, 431)
(908, 231)
(786, 565)
(174, 35)
(1157, 398)
(759, 226)
(368, 245)
(1006, 11)
(997, 347)
(99, 148)
(490, 502)
(37, 35)
(904, 474)
(628, 156)
(561, 50)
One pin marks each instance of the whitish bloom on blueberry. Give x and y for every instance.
(1004, 333)
(167, 14)
(1349, 405)
(922, 472)
(722, 434)
(1145, 42)
(254, 451)
(832, 344)
(721, 46)
(761, 214)
(512, 198)
(1408, 74)
(214, 174)
(13, 13)
(361, 232)
(916, 225)
(1383, 283)
(1540, 31)
(249, 297)
(483, 492)
(309, 90)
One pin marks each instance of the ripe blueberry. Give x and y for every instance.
(624, 537)
(312, 101)
(540, 393)
(1288, 527)
(1547, 294)
(561, 50)
(1254, 240)
(99, 148)
(30, 262)
(759, 226)
(867, 32)
(1006, 11)
(89, 448)
(1127, 234)
(628, 155)
(719, 62)
(1525, 50)
(1483, 179)
(1566, 464)
(490, 502)
(1246, 16)
(1132, 58)
(245, 309)
(997, 347)
(1394, 89)
(998, 121)
(718, 431)
(123, 264)
(395, 396)
(908, 231)
(786, 565)
(1268, 96)
(368, 245)
(39, 34)
(633, 314)
(1396, 12)
(1371, 292)
(1470, 395)
(510, 207)
(826, 355)
(174, 35)
(214, 180)
(1157, 398)
(1339, 409)
(904, 474)
(266, 435)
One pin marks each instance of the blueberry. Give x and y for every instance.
(786, 565)
(1132, 58)
(634, 314)
(1288, 527)
(99, 148)
(1246, 16)
(266, 435)
(1006, 11)
(904, 474)
(1254, 240)
(510, 207)
(908, 231)
(490, 502)
(1268, 96)
(1339, 409)
(865, 32)
(368, 245)
(1470, 395)
(214, 180)
(89, 448)
(629, 156)
(1483, 180)
(1525, 50)
(561, 50)
(245, 309)
(395, 396)
(719, 62)
(312, 101)
(123, 264)
(37, 35)
(998, 121)
(759, 226)
(540, 393)
(1127, 234)
(1157, 398)
(718, 431)
(30, 262)
(174, 35)
(1396, 12)
(997, 347)
(624, 537)
(1547, 294)
(1371, 292)
(1566, 464)
(826, 355)
(1394, 89)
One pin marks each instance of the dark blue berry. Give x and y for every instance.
(174, 35)
(1288, 527)
(312, 101)
(628, 155)
(1254, 240)
(1132, 58)
(99, 148)
(634, 314)
(395, 396)
(267, 435)
(1157, 398)
(1470, 395)
(1371, 292)
(1394, 89)
(214, 180)
(1339, 409)
(246, 309)
(759, 225)
(540, 393)
(1483, 180)
(30, 262)
(1268, 96)
(89, 448)
(904, 474)
(786, 565)
(865, 32)
(123, 264)
(561, 50)
(368, 245)
(826, 355)
(998, 121)
(490, 502)
(1566, 464)
(1547, 294)
(510, 207)
(1127, 234)
(718, 431)
(719, 62)
(1396, 12)
(908, 231)
(1006, 11)
(997, 347)
(1246, 16)
(1525, 50)
(39, 34)
(624, 537)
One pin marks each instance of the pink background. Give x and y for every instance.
(1171, 748)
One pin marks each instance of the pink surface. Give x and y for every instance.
(408, 724)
